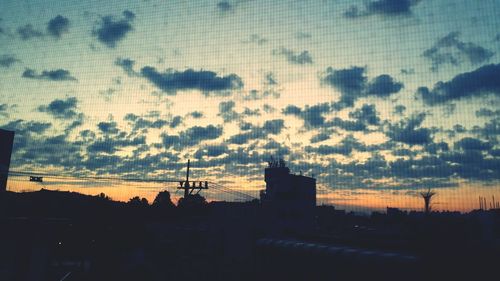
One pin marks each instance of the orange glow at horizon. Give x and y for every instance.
(463, 198)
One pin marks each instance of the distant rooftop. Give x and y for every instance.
(276, 163)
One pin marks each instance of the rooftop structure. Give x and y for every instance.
(282, 187)
(6, 142)
(291, 199)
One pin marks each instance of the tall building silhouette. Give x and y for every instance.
(6, 141)
(289, 198)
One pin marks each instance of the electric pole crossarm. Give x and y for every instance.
(190, 187)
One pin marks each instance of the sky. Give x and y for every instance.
(377, 99)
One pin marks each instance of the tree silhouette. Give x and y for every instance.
(194, 200)
(138, 202)
(427, 196)
(103, 196)
(163, 200)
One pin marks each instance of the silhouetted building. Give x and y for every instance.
(291, 199)
(6, 141)
(395, 212)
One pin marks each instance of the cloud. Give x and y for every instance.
(108, 140)
(196, 114)
(270, 79)
(273, 147)
(256, 39)
(490, 130)
(7, 61)
(74, 124)
(312, 115)
(320, 137)
(251, 112)
(108, 93)
(49, 151)
(245, 126)
(24, 132)
(426, 167)
(108, 127)
(127, 65)
(485, 112)
(258, 95)
(434, 148)
(407, 71)
(170, 140)
(480, 82)
(450, 50)
(455, 130)
(27, 32)
(3, 108)
(199, 133)
(27, 127)
(347, 125)
(469, 143)
(61, 109)
(226, 106)
(57, 26)
(191, 136)
(114, 144)
(268, 108)
(196, 134)
(301, 58)
(176, 121)
(224, 7)
(172, 81)
(270, 127)
(473, 164)
(273, 126)
(51, 75)
(128, 15)
(139, 123)
(353, 84)
(211, 151)
(388, 8)
(399, 109)
(366, 114)
(226, 111)
(408, 131)
(345, 147)
(110, 30)
(411, 172)
(391, 7)
(383, 86)
(228, 114)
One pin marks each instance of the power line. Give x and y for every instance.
(234, 194)
(214, 185)
(232, 191)
(62, 176)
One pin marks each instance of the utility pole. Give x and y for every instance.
(189, 187)
(186, 184)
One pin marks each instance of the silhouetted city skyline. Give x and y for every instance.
(379, 100)
(249, 140)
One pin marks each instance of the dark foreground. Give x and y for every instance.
(49, 235)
